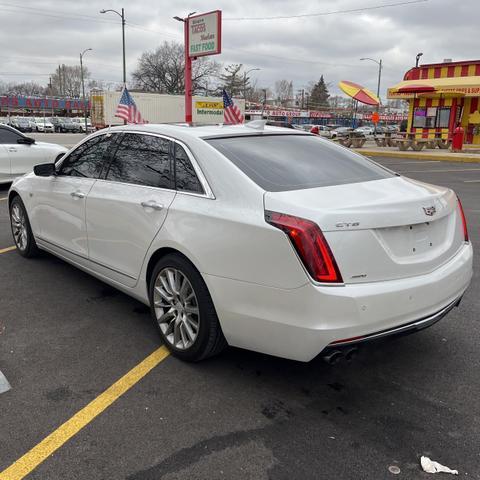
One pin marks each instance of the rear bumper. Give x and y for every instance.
(300, 323)
(400, 330)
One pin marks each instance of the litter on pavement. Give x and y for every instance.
(4, 385)
(430, 466)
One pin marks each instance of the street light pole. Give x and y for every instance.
(83, 89)
(417, 58)
(245, 82)
(122, 16)
(379, 63)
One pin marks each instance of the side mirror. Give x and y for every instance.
(26, 140)
(44, 170)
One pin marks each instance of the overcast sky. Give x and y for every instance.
(37, 35)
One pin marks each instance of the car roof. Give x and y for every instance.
(184, 131)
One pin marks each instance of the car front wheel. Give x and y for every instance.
(21, 230)
(183, 310)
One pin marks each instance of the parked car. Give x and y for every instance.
(44, 125)
(272, 240)
(19, 153)
(32, 123)
(22, 124)
(81, 122)
(65, 125)
(340, 132)
(321, 130)
(365, 130)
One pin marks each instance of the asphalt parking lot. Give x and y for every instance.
(66, 337)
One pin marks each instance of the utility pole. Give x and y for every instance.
(64, 80)
(264, 100)
(59, 80)
(83, 90)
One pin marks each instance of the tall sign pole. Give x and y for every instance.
(203, 36)
(188, 75)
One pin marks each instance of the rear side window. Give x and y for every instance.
(142, 160)
(87, 159)
(292, 162)
(185, 177)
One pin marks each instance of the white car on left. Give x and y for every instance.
(19, 153)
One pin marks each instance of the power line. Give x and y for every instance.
(54, 14)
(321, 14)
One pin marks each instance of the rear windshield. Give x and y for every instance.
(292, 162)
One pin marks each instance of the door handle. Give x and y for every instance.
(12, 149)
(77, 195)
(152, 204)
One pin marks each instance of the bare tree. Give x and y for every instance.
(24, 88)
(284, 92)
(162, 70)
(67, 80)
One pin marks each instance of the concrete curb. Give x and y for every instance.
(447, 157)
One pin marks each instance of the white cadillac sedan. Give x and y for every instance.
(19, 153)
(263, 238)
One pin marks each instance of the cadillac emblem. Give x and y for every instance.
(430, 211)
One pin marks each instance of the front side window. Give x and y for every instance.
(292, 162)
(185, 176)
(142, 160)
(87, 159)
(8, 136)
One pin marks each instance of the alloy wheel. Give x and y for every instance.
(19, 227)
(176, 308)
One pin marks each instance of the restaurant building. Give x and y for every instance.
(442, 96)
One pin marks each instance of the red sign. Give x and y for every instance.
(375, 117)
(386, 117)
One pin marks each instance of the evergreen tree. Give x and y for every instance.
(233, 80)
(319, 94)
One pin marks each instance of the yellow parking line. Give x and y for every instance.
(8, 249)
(24, 465)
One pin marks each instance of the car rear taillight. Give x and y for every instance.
(310, 244)
(464, 220)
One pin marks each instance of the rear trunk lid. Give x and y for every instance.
(382, 229)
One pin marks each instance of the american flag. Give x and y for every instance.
(231, 113)
(127, 109)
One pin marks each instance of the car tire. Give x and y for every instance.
(183, 310)
(21, 230)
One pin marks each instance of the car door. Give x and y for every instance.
(127, 208)
(59, 207)
(5, 173)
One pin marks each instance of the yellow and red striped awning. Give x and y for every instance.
(453, 86)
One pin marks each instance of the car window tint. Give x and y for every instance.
(185, 177)
(8, 136)
(142, 160)
(292, 162)
(87, 159)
